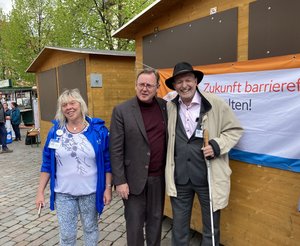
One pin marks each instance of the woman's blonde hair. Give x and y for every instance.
(66, 97)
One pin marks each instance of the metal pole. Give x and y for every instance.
(209, 188)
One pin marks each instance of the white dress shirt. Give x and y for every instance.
(190, 114)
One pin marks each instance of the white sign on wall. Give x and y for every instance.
(5, 83)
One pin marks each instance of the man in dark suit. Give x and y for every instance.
(137, 148)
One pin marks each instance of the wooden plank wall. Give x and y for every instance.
(263, 203)
(118, 75)
(263, 207)
(44, 128)
(57, 58)
(54, 59)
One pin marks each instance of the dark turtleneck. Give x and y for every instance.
(156, 134)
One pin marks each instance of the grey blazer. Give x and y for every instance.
(129, 146)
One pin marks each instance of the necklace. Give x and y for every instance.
(78, 127)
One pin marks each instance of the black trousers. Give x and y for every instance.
(3, 134)
(182, 209)
(145, 209)
(17, 131)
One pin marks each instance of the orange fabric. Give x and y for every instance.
(273, 63)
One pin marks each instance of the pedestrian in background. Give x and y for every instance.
(138, 149)
(3, 132)
(76, 161)
(8, 125)
(16, 120)
(6, 110)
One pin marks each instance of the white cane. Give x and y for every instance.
(209, 188)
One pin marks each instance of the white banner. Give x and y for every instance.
(36, 114)
(267, 104)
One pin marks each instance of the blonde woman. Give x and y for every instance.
(77, 163)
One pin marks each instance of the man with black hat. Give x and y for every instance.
(189, 114)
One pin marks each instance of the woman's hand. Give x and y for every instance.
(40, 199)
(107, 195)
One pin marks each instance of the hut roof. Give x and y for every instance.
(42, 56)
(153, 11)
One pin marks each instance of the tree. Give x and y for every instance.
(26, 32)
(93, 21)
(34, 24)
(4, 69)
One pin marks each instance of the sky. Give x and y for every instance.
(5, 5)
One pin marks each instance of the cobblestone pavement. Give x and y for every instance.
(19, 223)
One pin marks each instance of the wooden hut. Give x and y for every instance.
(263, 207)
(104, 78)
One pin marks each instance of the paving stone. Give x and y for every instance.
(112, 227)
(49, 228)
(9, 243)
(4, 240)
(103, 234)
(111, 218)
(121, 228)
(51, 242)
(37, 242)
(23, 243)
(105, 243)
(3, 234)
(10, 223)
(35, 236)
(32, 224)
(51, 234)
(35, 230)
(24, 222)
(166, 242)
(113, 236)
(20, 210)
(166, 226)
(21, 237)
(120, 242)
(13, 228)
(24, 217)
(121, 219)
(6, 217)
(44, 224)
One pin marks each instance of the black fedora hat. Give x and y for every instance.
(181, 68)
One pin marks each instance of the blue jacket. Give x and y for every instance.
(15, 116)
(8, 112)
(98, 136)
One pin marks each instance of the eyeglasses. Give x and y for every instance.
(148, 86)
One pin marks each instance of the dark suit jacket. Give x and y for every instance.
(129, 146)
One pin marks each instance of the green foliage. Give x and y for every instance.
(23, 35)
(34, 24)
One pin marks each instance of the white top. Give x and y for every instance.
(76, 172)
